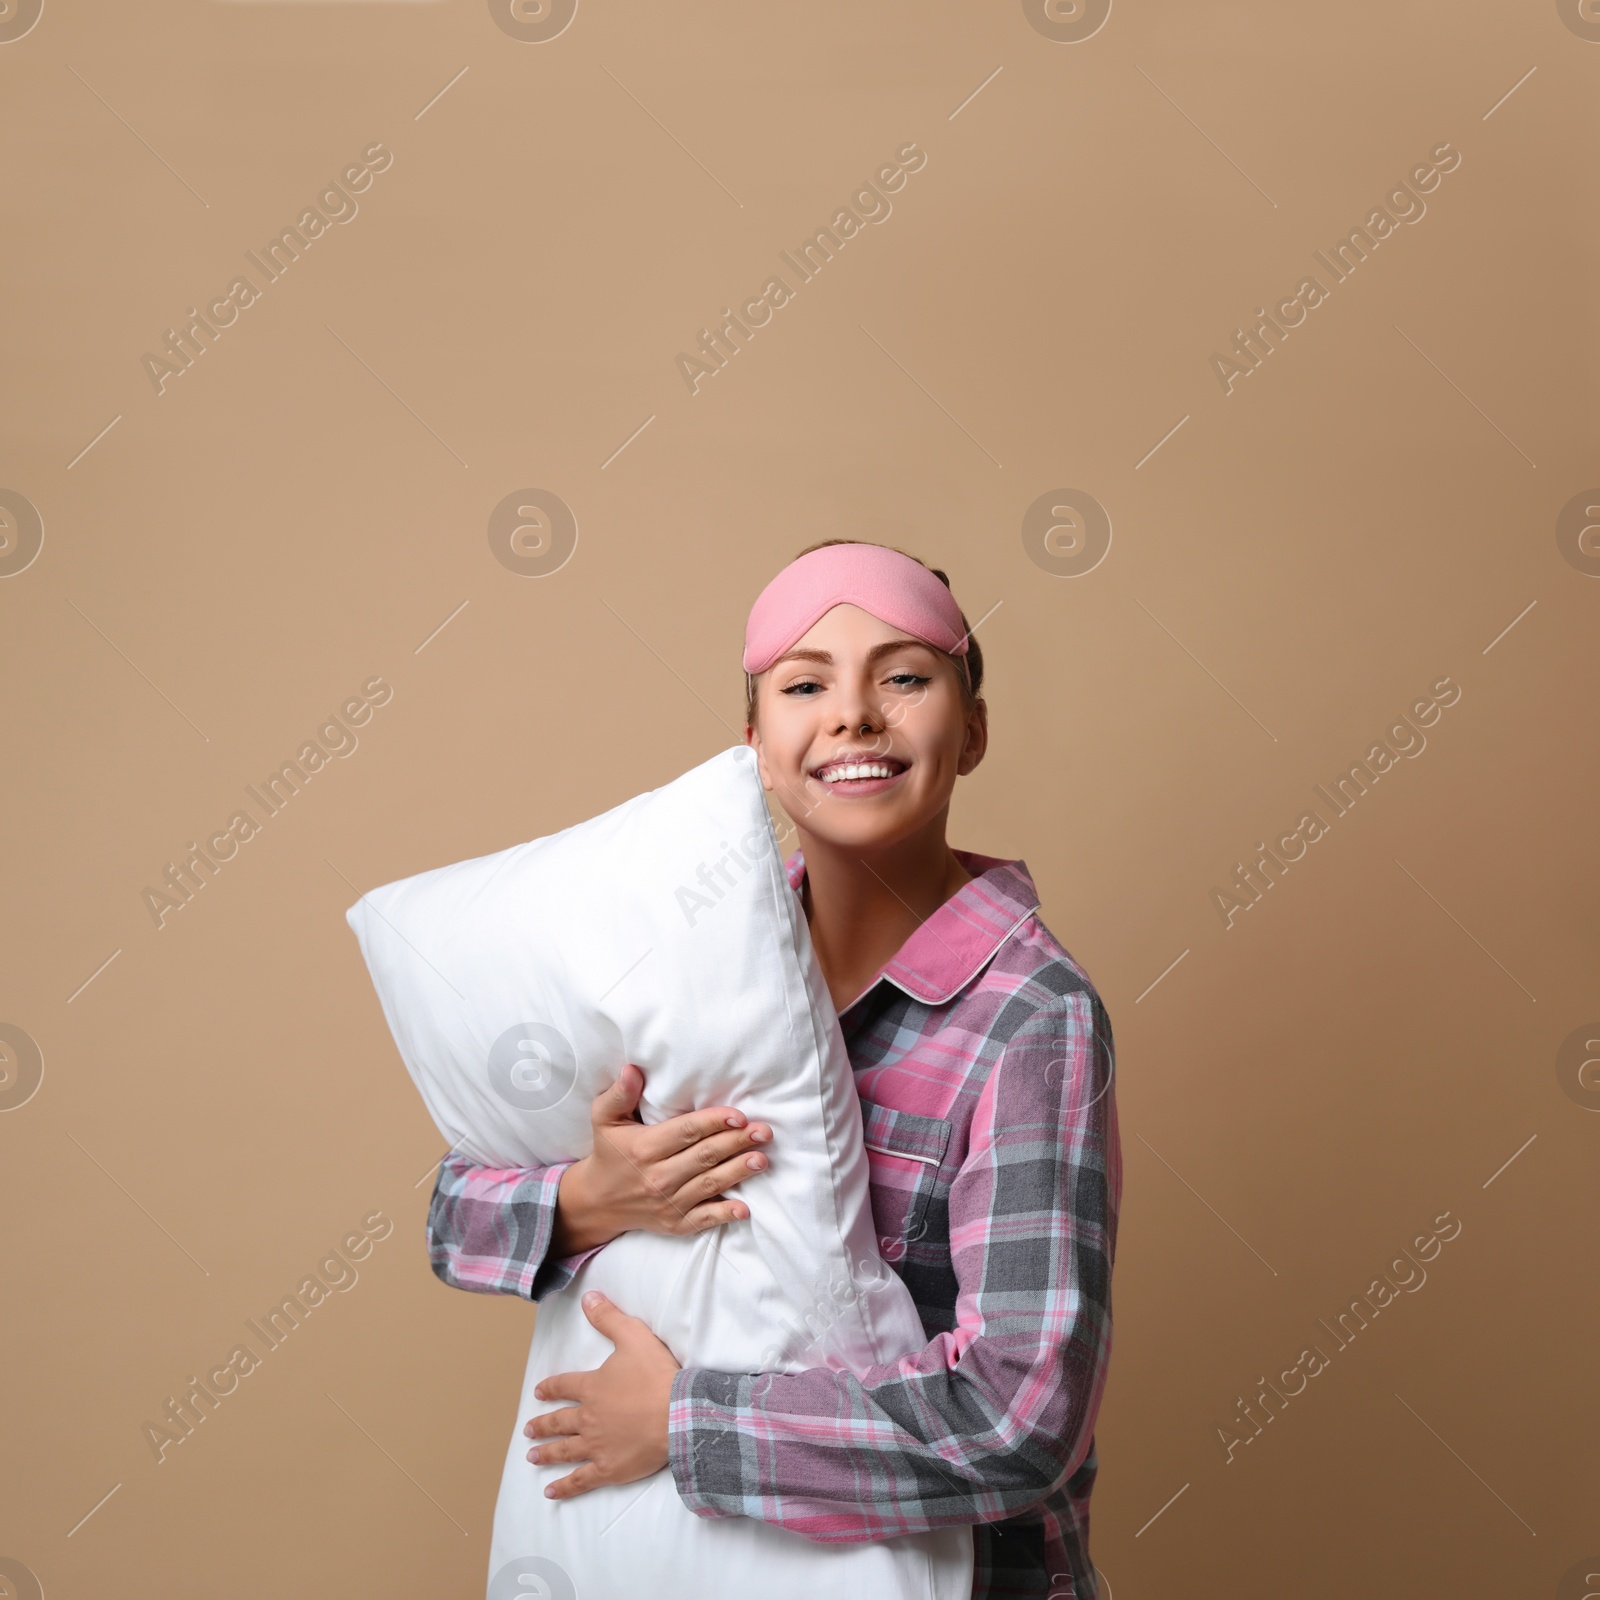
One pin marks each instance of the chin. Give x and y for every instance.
(866, 832)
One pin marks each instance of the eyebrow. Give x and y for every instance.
(825, 657)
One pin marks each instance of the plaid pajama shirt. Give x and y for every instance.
(984, 1060)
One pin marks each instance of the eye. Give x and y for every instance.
(910, 679)
(794, 688)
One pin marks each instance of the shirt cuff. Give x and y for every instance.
(703, 1439)
(554, 1273)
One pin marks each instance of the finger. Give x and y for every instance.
(714, 1214)
(617, 1101)
(554, 1451)
(674, 1172)
(710, 1184)
(609, 1317)
(585, 1478)
(550, 1423)
(679, 1133)
(561, 1386)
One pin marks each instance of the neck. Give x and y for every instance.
(863, 905)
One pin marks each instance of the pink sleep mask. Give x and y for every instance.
(893, 587)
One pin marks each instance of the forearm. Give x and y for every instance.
(580, 1223)
(837, 1457)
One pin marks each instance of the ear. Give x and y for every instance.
(752, 737)
(972, 751)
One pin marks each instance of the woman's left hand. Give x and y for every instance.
(618, 1428)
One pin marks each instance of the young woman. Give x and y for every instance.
(984, 1060)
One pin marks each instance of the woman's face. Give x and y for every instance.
(856, 692)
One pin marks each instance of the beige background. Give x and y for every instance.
(1300, 1095)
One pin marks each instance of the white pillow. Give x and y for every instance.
(664, 933)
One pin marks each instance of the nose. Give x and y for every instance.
(857, 715)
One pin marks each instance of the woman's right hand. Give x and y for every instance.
(664, 1177)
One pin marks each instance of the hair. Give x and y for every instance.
(969, 667)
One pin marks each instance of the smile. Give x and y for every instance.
(855, 775)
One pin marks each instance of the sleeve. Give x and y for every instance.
(489, 1229)
(989, 1419)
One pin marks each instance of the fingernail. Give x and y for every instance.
(755, 1163)
(736, 1121)
(550, 1493)
(760, 1135)
(592, 1298)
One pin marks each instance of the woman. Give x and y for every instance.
(984, 1060)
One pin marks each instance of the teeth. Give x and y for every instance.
(865, 769)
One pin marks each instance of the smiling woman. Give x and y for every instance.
(864, 715)
(982, 1060)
